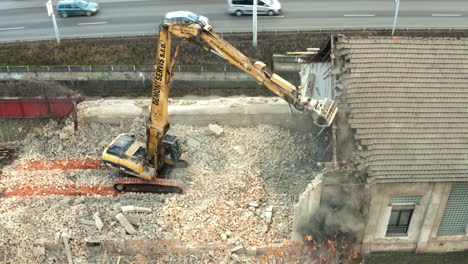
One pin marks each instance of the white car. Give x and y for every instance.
(245, 7)
(185, 17)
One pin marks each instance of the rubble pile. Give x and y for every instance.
(239, 188)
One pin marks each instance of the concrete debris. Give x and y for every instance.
(239, 150)
(239, 249)
(86, 222)
(133, 220)
(269, 214)
(58, 237)
(68, 131)
(192, 143)
(251, 251)
(220, 202)
(39, 242)
(235, 257)
(39, 251)
(65, 239)
(253, 204)
(125, 223)
(131, 208)
(92, 242)
(98, 221)
(216, 129)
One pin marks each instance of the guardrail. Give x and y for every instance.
(116, 68)
(317, 30)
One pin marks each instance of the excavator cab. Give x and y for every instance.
(127, 154)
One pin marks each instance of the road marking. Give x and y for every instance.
(94, 23)
(13, 28)
(361, 15)
(446, 15)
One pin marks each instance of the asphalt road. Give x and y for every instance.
(28, 20)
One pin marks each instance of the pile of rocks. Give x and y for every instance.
(240, 188)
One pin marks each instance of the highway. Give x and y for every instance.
(28, 19)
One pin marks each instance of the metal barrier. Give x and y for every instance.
(116, 68)
(319, 30)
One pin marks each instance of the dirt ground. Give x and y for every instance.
(58, 183)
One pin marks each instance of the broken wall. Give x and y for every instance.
(308, 205)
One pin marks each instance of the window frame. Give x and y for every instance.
(400, 209)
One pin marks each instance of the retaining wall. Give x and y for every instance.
(235, 112)
(136, 80)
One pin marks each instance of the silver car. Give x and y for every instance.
(185, 17)
(245, 7)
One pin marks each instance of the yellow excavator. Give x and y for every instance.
(145, 160)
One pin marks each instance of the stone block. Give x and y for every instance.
(125, 223)
(217, 130)
(98, 221)
(269, 213)
(239, 249)
(86, 221)
(131, 208)
(251, 251)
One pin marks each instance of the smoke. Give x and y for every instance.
(342, 210)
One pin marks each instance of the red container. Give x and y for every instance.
(12, 107)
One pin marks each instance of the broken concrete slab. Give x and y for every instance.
(251, 251)
(216, 129)
(239, 249)
(235, 257)
(269, 214)
(131, 208)
(86, 221)
(224, 237)
(98, 221)
(133, 220)
(65, 237)
(253, 204)
(125, 223)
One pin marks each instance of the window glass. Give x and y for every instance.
(82, 3)
(241, 2)
(405, 217)
(393, 218)
(192, 16)
(399, 222)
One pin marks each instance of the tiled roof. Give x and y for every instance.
(408, 105)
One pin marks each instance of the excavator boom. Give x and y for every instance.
(146, 160)
(322, 111)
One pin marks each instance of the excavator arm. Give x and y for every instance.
(322, 111)
(146, 159)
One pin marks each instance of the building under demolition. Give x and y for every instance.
(404, 101)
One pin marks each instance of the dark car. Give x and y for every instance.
(68, 8)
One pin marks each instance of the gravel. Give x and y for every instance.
(264, 165)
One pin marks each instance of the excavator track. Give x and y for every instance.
(157, 185)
